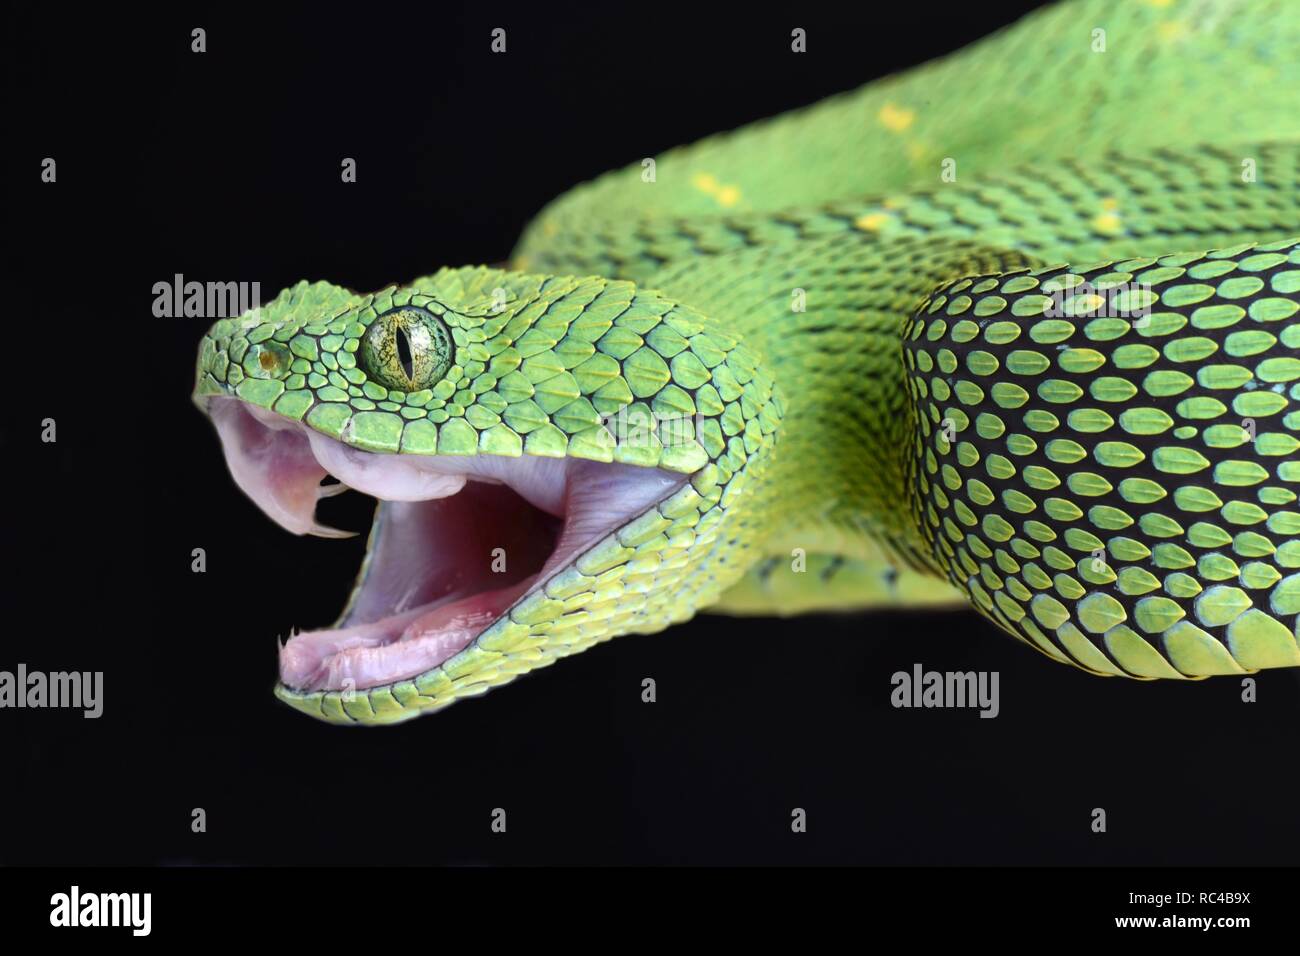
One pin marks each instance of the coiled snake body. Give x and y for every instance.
(1017, 328)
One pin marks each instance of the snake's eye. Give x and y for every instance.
(407, 349)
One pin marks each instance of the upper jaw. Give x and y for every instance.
(458, 540)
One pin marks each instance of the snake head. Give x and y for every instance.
(556, 459)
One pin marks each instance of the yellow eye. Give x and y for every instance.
(407, 349)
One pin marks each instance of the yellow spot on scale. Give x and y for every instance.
(708, 184)
(1171, 30)
(521, 264)
(1160, 3)
(705, 182)
(1110, 203)
(894, 202)
(872, 222)
(550, 228)
(895, 118)
(1107, 223)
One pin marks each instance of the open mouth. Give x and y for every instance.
(457, 541)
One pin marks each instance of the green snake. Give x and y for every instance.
(1017, 328)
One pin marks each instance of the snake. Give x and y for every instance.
(1014, 330)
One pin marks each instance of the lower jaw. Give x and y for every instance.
(429, 636)
(440, 572)
(437, 574)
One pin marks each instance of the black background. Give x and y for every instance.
(225, 166)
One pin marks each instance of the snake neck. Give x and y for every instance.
(828, 323)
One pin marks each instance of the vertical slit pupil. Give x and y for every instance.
(404, 351)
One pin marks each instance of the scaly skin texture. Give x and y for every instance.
(886, 408)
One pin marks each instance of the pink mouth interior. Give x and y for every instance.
(458, 540)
